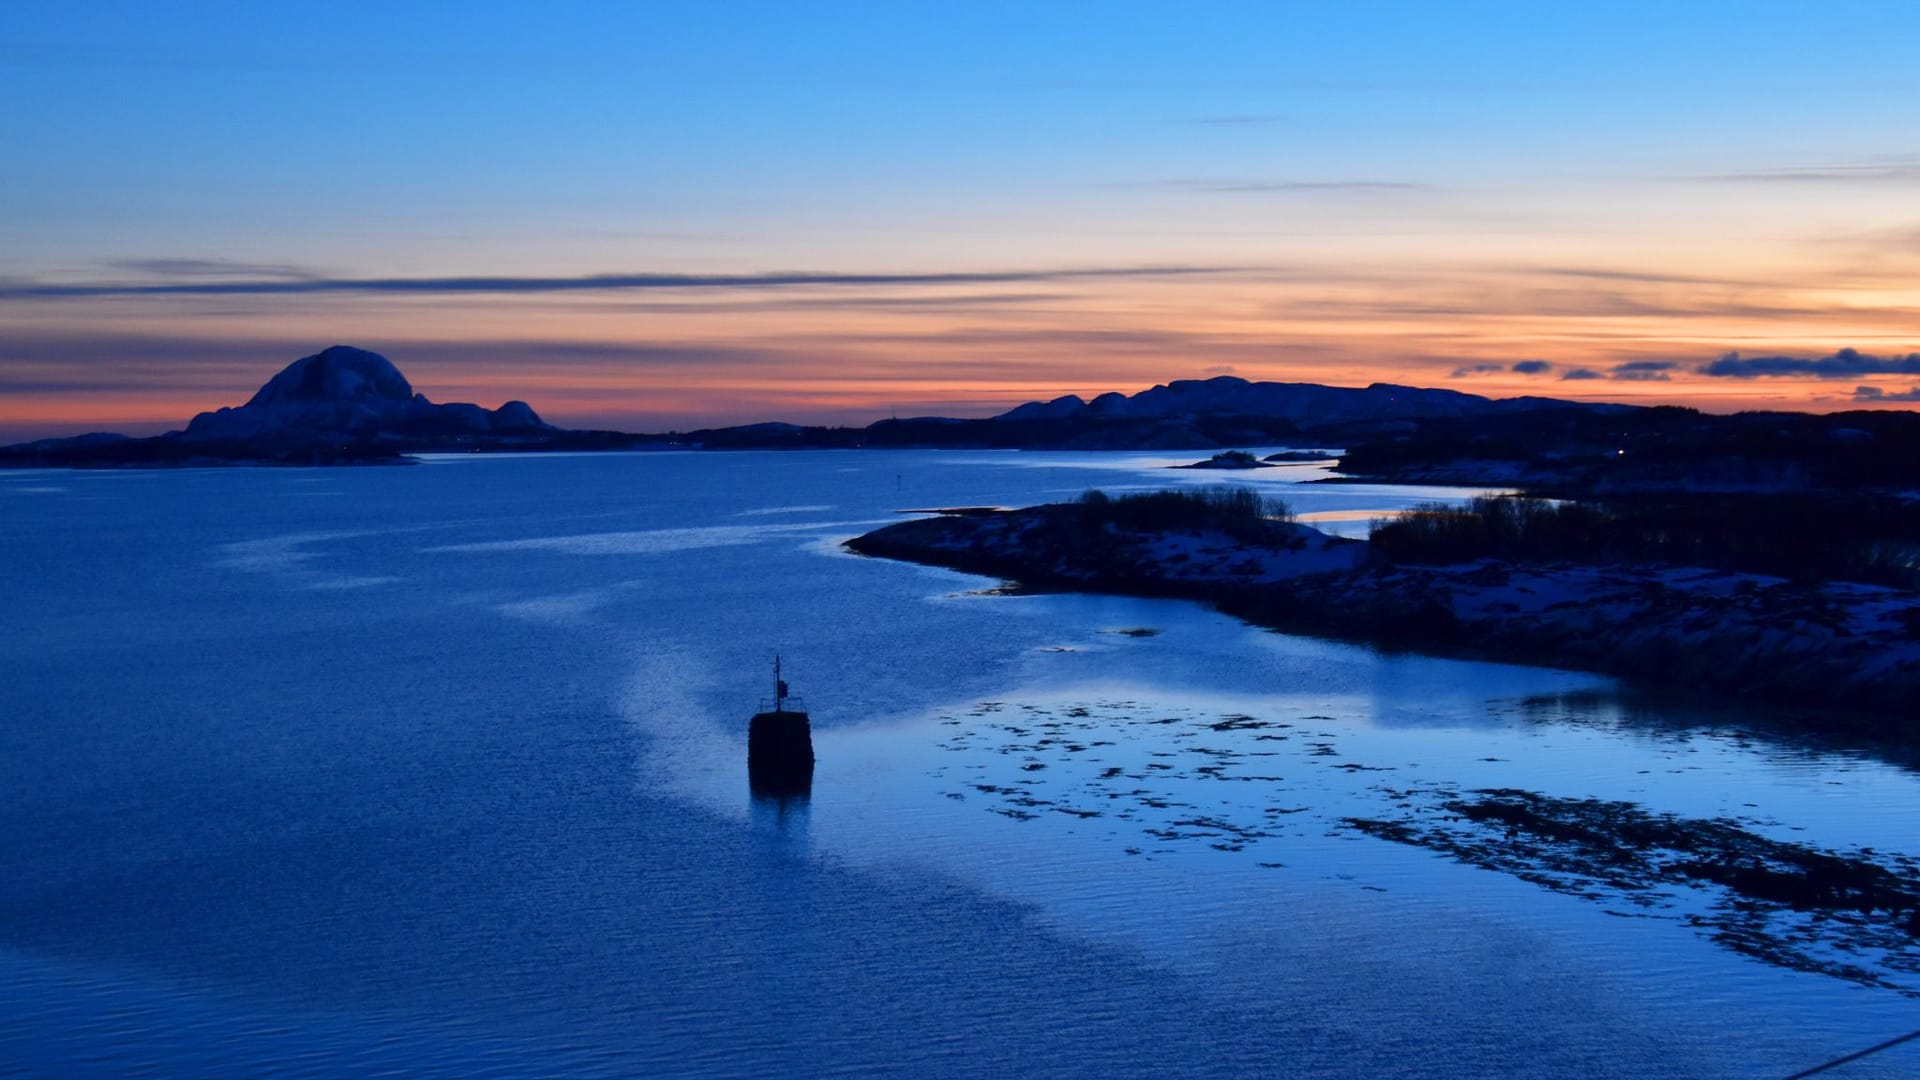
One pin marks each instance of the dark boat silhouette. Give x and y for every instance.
(780, 744)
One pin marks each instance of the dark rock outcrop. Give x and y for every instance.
(1228, 459)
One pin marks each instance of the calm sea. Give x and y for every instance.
(440, 770)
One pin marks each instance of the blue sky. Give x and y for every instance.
(1417, 151)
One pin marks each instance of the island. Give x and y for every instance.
(1228, 459)
(1626, 593)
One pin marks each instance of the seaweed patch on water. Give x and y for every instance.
(1176, 777)
(1849, 914)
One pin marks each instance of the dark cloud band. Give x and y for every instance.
(1875, 393)
(1845, 364)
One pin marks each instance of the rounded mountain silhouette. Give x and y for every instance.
(344, 391)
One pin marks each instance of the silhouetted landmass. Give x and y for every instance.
(170, 450)
(1238, 512)
(1785, 638)
(340, 406)
(346, 405)
(1841, 535)
(1228, 459)
(1650, 450)
(1185, 414)
(1406, 435)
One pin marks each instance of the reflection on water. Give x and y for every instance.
(780, 787)
(1793, 734)
(784, 815)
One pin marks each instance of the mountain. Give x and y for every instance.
(344, 404)
(349, 392)
(341, 405)
(1193, 414)
(1305, 404)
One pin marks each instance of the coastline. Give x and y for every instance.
(1831, 645)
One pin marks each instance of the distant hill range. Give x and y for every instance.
(1188, 414)
(346, 405)
(1223, 412)
(1301, 403)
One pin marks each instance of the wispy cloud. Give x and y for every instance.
(1868, 172)
(1644, 370)
(842, 301)
(1898, 240)
(1645, 277)
(264, 285)
(1470, 370)
(137, 361)
(217, 268)
(1845, 364)
(1629, 371)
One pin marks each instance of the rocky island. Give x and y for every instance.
(1229, 459)
(1832, 643)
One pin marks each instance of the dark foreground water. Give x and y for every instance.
(441, 770)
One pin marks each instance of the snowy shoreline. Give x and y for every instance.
(1835, 644)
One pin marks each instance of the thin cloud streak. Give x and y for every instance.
(33, 290)
(1639, 276)
(1853, 173)
(1469, 370)
(227, 268)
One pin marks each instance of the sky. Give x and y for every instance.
(658, 216)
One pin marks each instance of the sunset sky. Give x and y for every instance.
(655, 216)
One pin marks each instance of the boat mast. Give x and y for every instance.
(779, 687)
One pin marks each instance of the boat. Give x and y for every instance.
(780, 744)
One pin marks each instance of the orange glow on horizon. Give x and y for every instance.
(852, 355)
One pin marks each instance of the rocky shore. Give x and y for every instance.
(1835, 645)
(1848, 914)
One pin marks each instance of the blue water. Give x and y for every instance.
(440, 770)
